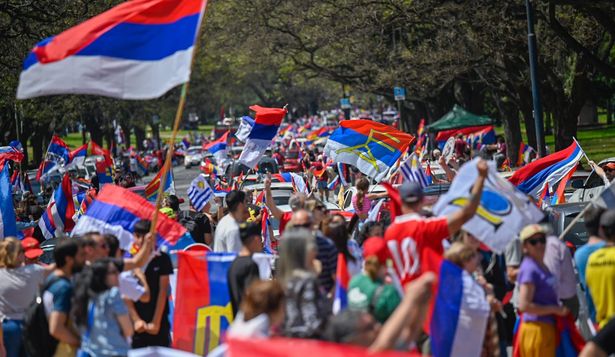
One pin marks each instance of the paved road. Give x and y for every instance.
(183, 178)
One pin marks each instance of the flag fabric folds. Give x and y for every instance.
(245, 127)
(57, 155)
(137, 50)
(116, 210)
(200, 193)
(60, 211)
(203, 309)
(266, 124)
(413, 172)
(569, 340)
(532, 178)
(218, 148)
(460, 314)
(370, 146)
(503, 210)
(10, 153)
(151, 190)
(8, 226)
(342, 281)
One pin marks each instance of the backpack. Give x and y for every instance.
(37, 340)
(195, 223)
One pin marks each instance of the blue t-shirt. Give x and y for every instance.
(106, 338)
(581, 256)
(58, 296)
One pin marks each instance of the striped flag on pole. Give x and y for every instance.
(199, 192)
(412, 171)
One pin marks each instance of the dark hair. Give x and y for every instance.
(88, 284)
(142, 227)
(234, 198)
(362, 187)
(113, 243)
(262, 297)
(365, 231)
(173, 202)
(592, 219)
(342, 328)
(338, 233)
(247, 231)
(66, 247)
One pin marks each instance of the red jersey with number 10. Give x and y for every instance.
(415, 244)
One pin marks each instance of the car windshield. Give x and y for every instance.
(578, 233)
(194, 151)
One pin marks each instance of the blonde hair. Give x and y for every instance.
(10, 249)
(459, 253)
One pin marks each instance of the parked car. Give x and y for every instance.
(560, 216)
(591, 188)
(193, 156)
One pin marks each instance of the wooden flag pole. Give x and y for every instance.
(178, 117)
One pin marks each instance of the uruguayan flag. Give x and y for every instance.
(199, 192)
(412, 171)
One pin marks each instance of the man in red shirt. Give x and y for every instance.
(415, 242)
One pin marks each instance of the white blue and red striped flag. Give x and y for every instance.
(60, 211)
(137, 50)
(116, 210)
(218, 148)
(266, 124)
(8, 227)
(532, 178)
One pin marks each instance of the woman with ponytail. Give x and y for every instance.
(99, 312)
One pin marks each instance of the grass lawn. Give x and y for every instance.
(74, 140)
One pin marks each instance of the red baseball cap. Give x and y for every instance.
(32, 248)
(376, 246)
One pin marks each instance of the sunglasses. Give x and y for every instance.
(305, 225)
(534, 241)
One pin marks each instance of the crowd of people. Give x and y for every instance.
(95, 299)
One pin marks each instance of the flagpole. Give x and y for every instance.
(584, 154)
(178, 115)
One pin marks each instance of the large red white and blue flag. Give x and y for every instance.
(116, 211)
(218, 148)
(203, 309)
(137, 50)
(57, 155)
(532, 178)
(370, 146)
(266, 124)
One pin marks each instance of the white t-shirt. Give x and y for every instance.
(18, 288)
(226, 238)
(130, 286)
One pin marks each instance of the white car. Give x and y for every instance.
(193, 157)
(281, 191)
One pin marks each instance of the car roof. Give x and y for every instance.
(274, 186)
(567, 208)
(195, 147)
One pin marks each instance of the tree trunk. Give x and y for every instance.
(512, 129)
(126, 129)
(140, 135)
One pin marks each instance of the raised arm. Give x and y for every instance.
(269, 202)
(457, 219)
(142, 255)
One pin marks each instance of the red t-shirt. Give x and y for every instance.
(415, 244)
(284, 221)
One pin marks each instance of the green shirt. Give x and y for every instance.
(361, 294)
